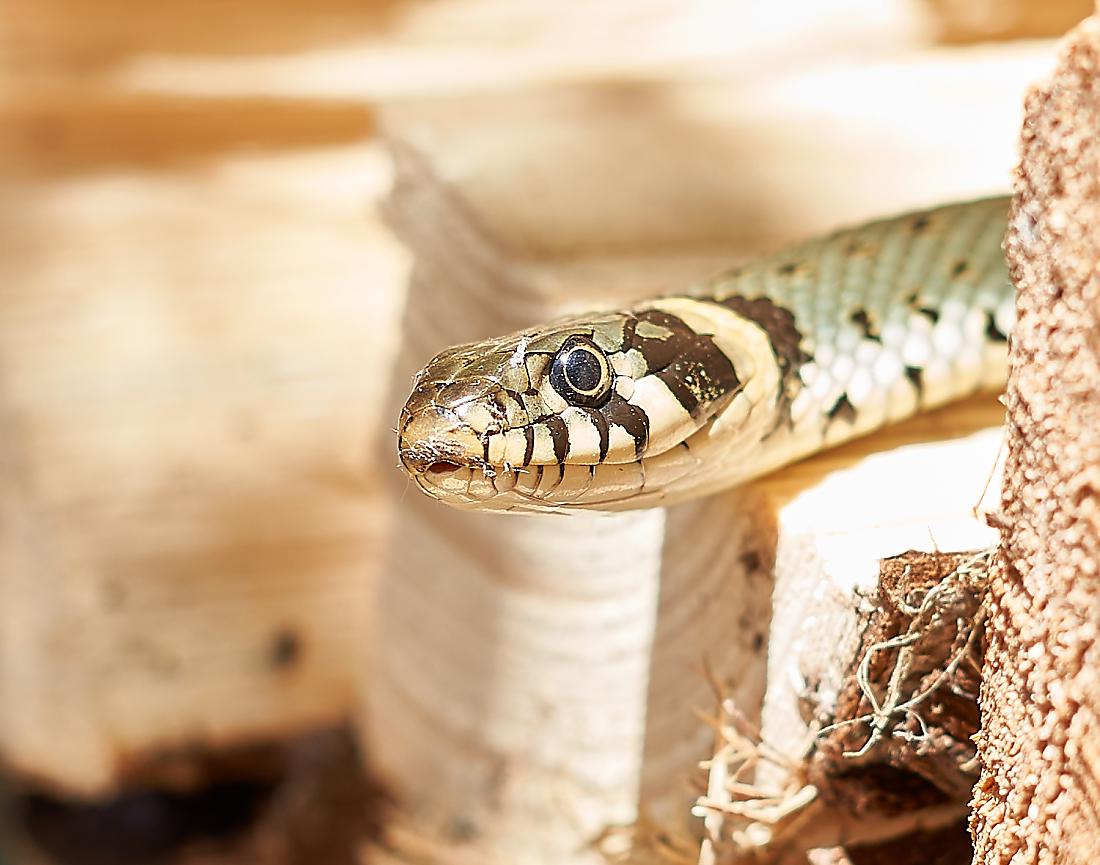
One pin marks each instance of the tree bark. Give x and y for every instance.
(1038, 797)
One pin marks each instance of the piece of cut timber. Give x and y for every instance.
(366, 51)
(898, 490)
(534, 679)
(922, 485)
(186, 389)
(549, 184)
(867, 719)
(517, 659)
(980, 20)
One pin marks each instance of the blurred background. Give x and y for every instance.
(202, 277)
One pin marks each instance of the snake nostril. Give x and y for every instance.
(440, 467)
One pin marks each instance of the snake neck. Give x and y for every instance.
(872, 325)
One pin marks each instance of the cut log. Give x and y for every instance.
(185, 394)
(1037, 799)
(835, 761)
(979, 20)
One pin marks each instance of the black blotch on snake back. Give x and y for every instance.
(842, 409)
(786, 339)
(862, 320)
(992, 331)
(916, 377)
(931, 313)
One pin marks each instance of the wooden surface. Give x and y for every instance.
(977, 20)
(188, 393)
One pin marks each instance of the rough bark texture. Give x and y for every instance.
(1038, 796)
(911, 748)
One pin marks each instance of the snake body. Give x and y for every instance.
(689, 393)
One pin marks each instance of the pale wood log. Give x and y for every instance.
(189, 349)
(921, 485)
(979, 20)
(868, 501)
(533, 683)
(342, 49)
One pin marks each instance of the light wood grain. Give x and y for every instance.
(189, 355)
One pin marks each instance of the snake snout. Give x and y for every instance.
(435, 441)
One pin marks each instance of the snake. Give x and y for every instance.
(697, 391)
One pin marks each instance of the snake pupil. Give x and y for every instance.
(583, 370)
(580, 373)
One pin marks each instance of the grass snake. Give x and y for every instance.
(693, 392)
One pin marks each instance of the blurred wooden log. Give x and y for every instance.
(529, 687)
(1037, 798)
(189, 349)
(384, 48)
(960, 21)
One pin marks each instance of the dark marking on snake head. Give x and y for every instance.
(701, 378)
(690, 364)
(931, 313)
(529, 449)
(603, 428)
(788, 268)
(862, 320)
(959, 267)
(993, 332)
(660, 352)
(675, 377)
(559, 435)
(920, 223)
(842, 409)
(631, 418)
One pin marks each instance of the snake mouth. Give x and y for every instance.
(442, 467)
(435, 458)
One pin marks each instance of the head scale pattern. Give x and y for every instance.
(609, 389)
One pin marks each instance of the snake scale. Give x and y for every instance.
(690, 393)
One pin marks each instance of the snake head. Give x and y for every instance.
(599, 411)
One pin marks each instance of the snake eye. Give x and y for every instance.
(580, 373)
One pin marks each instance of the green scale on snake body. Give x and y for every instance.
(686, 394)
